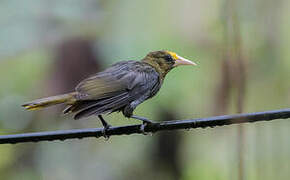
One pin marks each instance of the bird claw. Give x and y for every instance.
(144, 124)
(106, 127)
(142, 127)
(104, 132)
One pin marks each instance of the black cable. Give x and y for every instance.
(135, 129)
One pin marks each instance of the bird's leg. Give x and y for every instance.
(145, 120)
(145, 123)
(105, 124)
(128, 112)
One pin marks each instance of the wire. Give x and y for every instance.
(154, 127)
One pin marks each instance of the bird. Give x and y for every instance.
(120, 88)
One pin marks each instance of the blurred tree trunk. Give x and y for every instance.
(233, 77)
(164, 161)
(166, 158)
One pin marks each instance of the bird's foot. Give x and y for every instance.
(106, 127)
(144, 124)
(142, 128)
(105, 130)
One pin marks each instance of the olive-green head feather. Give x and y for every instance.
(164, 61)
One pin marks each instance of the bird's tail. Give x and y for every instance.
(49, 101)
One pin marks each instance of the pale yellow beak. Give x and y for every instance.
(182, 61)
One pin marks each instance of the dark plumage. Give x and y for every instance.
(121, 87)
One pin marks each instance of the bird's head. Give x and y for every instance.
(164, 61)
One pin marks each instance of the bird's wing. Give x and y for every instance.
(104, 84)
(119, 78)
(116, 87)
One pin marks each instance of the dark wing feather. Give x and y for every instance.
(114, 88)
(97, 108)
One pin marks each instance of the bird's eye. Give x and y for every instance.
(168, 58)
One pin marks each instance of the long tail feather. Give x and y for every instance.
(49, 101)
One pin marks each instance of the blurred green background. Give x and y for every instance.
(242, 51)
